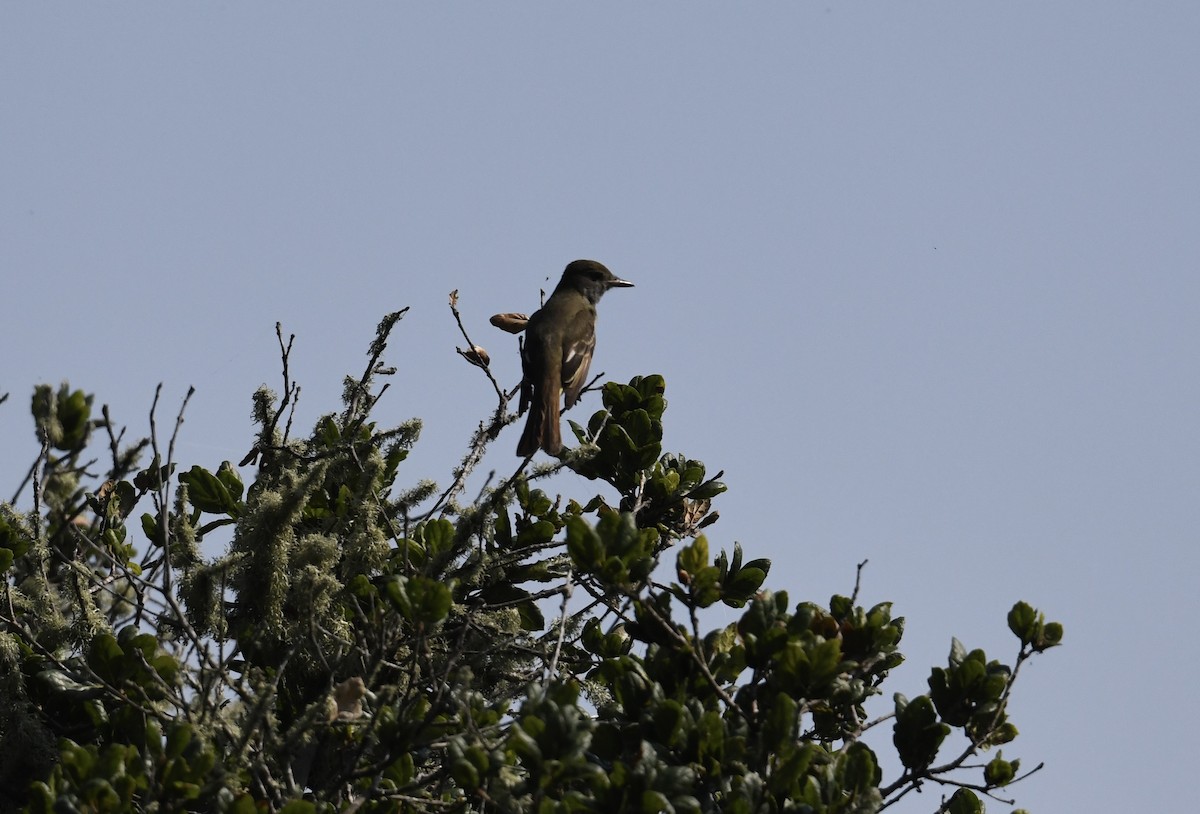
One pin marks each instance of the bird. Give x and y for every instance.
(559, 340)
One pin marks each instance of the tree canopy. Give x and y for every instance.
(365, 644)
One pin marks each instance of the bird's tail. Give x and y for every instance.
(542, 426)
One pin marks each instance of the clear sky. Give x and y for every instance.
(922, 279)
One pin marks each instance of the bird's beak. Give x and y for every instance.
(619, 283)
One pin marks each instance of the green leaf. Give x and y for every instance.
(693, 557)
(243, 804)
(1022, 620)
(231, 479)
(536, 533)
(826, 659)
(166, 666)
(121, 501)
(998, 771)
(540, 571)
(360, 587)
(536, 502)
(964, 801)
(501, 593)
(61, 682)
(106, 657)
(840, 606)
(464, 772)
(149, 527)
(743, 586)
(584, 545)
(531, 616)
(1052, 635)
(431, 600)
(207, 493)
(502, 530)
(153, 476)
(328, 432)
(1005, 733)
(438, 535)
(395, 588)
(74, 415)
(762, 564)
(705, 586)
(958, 653)
(179, 735)
(917, 733)
(782, 720)
(860, 770)
(707, 491)
(669, 719)
(13, 535)
(654, 802)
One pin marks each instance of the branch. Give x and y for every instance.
(552, 667)
(291, 395)
(857, 581)
(682, 641)
(162, 492)
(481, 363)
(935, 773)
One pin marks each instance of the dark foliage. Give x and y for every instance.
(360, 646)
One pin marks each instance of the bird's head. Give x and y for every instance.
(591, 278)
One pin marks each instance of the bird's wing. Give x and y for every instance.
(579, 343)
(526, 377)
(577, 358)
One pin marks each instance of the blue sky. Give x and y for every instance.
(922, 279)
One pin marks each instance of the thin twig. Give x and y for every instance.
(552, 667)
(163, 490)
(500, 394)
(681, 640)
(857, 582)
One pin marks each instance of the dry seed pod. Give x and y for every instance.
(476, 356)
(513, 323)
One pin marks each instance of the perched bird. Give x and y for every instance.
(559, 340)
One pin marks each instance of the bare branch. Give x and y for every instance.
(857, 582)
